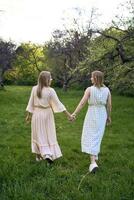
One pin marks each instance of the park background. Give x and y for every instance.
(81, 44)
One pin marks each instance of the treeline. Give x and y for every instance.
(74, 52)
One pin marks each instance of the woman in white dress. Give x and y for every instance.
(42, 103)
(98, 97)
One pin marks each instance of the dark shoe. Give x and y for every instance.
(49, 159)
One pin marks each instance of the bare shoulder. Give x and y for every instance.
(87, 90)
(87, 93)
(52, 89)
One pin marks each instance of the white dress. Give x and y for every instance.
(43, 131)
(95, 120)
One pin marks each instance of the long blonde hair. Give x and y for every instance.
(98, 78)
(43, 80)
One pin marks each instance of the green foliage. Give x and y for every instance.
(117, 64)
(99, 47)
(19, 77)
(7, 56)
(28, 64)
(123, 79)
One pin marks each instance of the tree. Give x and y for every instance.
(7, 56)
(28, 64)
(68, 49)
(112, 51)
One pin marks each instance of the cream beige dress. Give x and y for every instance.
(43, 136)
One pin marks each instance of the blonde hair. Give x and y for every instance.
(98, 78)
(43, 80)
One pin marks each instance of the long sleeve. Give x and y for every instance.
(30, 106)
(55, 103)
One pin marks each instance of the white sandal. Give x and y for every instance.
(93, 167)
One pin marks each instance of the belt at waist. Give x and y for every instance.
(97, 105)
(41, 107)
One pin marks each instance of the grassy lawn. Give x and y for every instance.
(22, 178)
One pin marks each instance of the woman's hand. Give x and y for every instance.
(108, 122)
(72, 117)
(28, 118)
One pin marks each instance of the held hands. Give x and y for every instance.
(72, 117)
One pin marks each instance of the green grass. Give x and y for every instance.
(21, 178)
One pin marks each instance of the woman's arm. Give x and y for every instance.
(82, 102)
(109, 108)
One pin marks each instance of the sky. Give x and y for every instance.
(35, 20)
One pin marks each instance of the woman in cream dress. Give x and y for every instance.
(99, 99)
(42, 103)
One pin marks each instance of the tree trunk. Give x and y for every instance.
(65, 86)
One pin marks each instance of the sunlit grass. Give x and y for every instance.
(22, 178)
